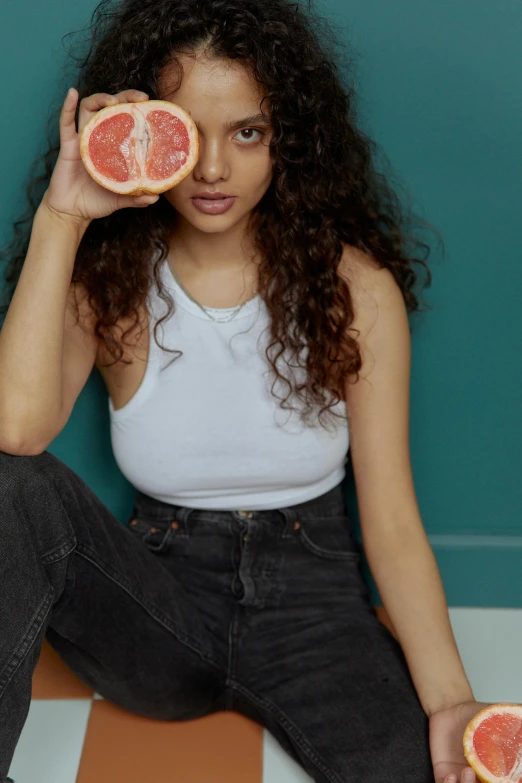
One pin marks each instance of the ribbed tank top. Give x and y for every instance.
(206, 431)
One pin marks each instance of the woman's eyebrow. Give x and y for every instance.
(254, 119)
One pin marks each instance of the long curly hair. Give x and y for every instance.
(326, 189)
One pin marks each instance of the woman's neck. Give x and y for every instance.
(202, 252)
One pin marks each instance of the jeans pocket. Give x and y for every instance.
(329, 538)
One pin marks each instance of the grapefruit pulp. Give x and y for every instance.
(493, 743)
(136, 148)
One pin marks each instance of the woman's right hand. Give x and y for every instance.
(72, 193)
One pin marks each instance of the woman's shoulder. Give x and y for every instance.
(372, 286)
(130, 331)
(360, 268)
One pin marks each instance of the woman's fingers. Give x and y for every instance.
(137, 201)
(99, 100)
(126, 96)
(67, 115)
(468, 776)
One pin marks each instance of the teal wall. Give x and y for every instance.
(440, 92)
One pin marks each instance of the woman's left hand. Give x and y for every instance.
(447, 728)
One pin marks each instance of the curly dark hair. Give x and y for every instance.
(326, 190)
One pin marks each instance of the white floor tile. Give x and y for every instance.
(490, 644)
(50, 746)
(278, 767)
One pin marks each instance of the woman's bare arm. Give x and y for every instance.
(44, 358)
(395, 542)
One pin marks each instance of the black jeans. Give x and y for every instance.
(186, 612)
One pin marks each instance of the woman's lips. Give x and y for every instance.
(213, 206)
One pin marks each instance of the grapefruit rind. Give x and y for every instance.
(137, 187)
(481, 771)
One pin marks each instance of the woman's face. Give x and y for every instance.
(234, 158)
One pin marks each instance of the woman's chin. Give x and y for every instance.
(211, 224)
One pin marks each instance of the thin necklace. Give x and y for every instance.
(206, 309)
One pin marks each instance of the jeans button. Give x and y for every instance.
(243, 513)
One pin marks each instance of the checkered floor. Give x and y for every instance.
(72, 735)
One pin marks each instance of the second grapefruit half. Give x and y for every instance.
(493, 743)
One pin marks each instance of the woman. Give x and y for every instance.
(236, 584)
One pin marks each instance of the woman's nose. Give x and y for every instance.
(212, 163)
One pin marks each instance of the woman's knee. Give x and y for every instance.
(14, 466)
(41, 462)
(30, 502)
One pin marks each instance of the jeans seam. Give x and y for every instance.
(232, 631)
(163, 620)
(55, 555)
(307, 542)
(303, 743)
(31, 634)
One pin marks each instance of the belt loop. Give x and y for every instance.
(291, 521)
(181, 515)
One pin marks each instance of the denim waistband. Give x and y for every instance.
(331, 503)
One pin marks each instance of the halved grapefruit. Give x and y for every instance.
(493, 743)
(143, 147)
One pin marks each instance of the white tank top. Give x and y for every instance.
(206, 431)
